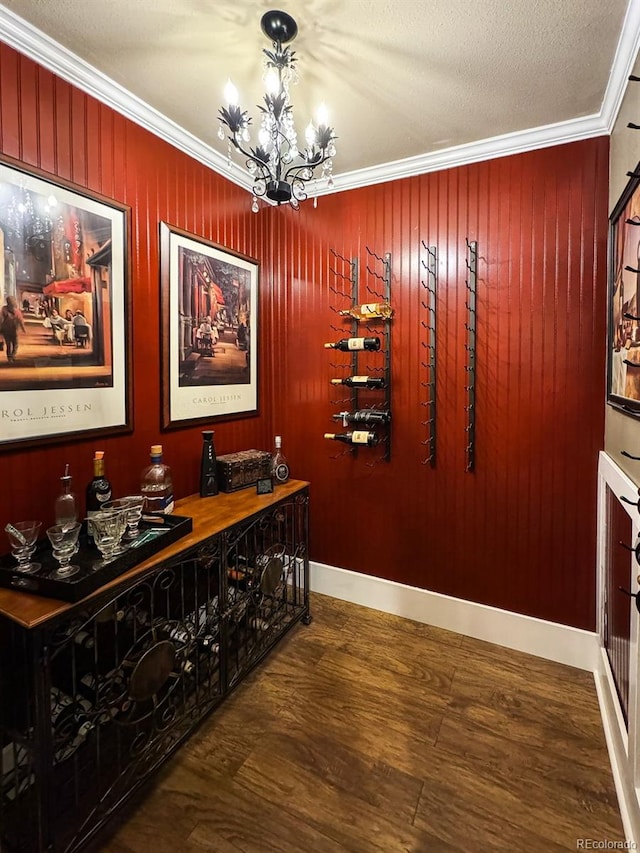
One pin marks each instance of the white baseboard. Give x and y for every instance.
(551, 640)
(618, 746)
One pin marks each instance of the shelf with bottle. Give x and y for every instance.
(376, 315)
(132, 670)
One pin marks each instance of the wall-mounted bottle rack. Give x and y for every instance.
(370, 322)
(428, 301)
(471, 283)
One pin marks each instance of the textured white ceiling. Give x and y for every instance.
(400, 79)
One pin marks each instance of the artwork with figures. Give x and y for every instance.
(63, 341)
(624, 300)
(209, 299)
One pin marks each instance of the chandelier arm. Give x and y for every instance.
(293, 171)
(264, 169)
(297, 189)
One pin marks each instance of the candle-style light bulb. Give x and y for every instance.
(272, 81)
(310, 134)
(231, 94)
(322, 115)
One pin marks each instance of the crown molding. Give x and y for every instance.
(622, 65)
(474, 152)
(33, 43)
(42, 49)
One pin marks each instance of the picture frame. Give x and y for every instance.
(623, 348)
(264, 485)
(65, 334)
(210, 331)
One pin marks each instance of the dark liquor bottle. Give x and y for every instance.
(369, 311)
(361, 381)
(208, 469)
(98, 490)
(355, 437)
(348, 344)
(368, 417)
(279, 464)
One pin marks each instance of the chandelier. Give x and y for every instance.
(280, 169)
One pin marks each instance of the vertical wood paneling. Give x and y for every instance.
(53, 126)
(519, 532)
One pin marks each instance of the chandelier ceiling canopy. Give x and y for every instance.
(281, 170)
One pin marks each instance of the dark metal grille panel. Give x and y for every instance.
(264, 584)
(95, 700)
(20, 803)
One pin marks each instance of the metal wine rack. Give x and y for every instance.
(471, 284)
(377, 287)
(428, 303)
(94, 700)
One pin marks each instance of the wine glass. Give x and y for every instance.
(23, 536)
(119, 510)
(132, 506)
(64, 541)
(134, 514)
(108, 529)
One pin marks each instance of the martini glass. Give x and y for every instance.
(64, 541)
(23, 536)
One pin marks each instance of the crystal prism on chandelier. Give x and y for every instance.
(281, 171)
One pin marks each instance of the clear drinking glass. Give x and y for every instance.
(23, 536)
(108, 529)
(64, 541)
(132, 505)
(119, 509)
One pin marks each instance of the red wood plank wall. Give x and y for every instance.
(518, 533)
(49, 124)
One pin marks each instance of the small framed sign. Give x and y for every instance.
(264, 486)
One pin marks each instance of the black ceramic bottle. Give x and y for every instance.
(208, 472)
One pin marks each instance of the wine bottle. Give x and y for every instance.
(364, 416)
(361, 381)
(208, 466)
(279, 464)
(348, 344)
(156, 485)
(355, 437)
(369, 311)
(98, 491)
(70, 723)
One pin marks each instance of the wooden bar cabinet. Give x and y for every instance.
(95, 695)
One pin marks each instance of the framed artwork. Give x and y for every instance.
(623, 363)
(209, 330)
(64, 310)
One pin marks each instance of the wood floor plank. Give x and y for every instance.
(333, 810)
(366, 733)
(373, 623)
(579, 796)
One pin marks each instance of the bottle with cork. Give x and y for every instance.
(156, 485)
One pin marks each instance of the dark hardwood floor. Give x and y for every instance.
(366, 732)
